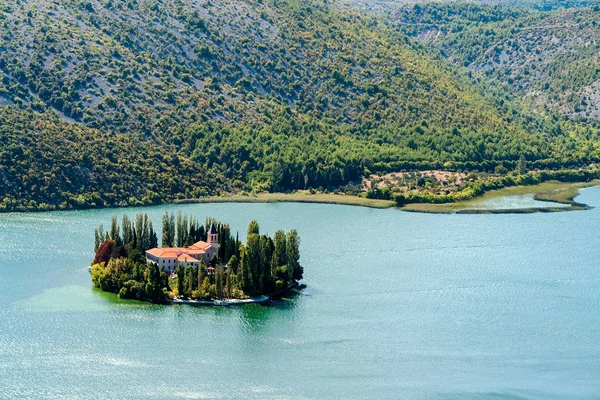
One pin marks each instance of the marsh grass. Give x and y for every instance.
(558, 192)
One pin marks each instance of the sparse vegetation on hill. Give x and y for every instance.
(549, 59)
(141, 102)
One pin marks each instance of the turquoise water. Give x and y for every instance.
(398, 306)
(514, 202)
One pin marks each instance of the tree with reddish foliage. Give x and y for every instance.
(109, 250)
(104, 252)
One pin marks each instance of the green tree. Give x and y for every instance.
(128, 232)
(233, 264)
(244, 275)
(253, 228)
(293, 255)
(202, 272)
(99, 237)
(206, 288)
(168, 229)
(188, 282)
(180, 271)
(280, 250)
(252, 258)
(266, 256)
(229, 283)
(114, 231)
(522, 165)
(219, 281)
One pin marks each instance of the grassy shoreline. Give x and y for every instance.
(298, 197)
(553, 191)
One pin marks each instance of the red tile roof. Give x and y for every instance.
(195, 250)
(186, 258)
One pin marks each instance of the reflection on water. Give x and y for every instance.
(513, 202)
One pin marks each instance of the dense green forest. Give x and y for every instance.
(106, 103)
(262, 266)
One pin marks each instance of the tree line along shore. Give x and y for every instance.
(419, 190)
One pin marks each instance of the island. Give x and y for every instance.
(202, 264)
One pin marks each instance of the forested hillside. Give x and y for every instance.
(47, 163)
(120, 102)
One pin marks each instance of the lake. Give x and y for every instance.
(399, 305)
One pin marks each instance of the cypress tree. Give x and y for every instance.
(244, 280)
(188, 283)
(293, 255)
(253, 228)
(237, 245)
(219, 281)
(99, 237)
(201, 274)
(180, 237)
(266, 255)
(168, 234)
(229, 283)
(253, 261)
(153, 238)
(280, 250)
(114, 231)
(180, 280)
(139, 231)
(127, 229)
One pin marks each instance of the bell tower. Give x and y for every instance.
(213, 237)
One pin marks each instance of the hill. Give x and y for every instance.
(550, 59)
(387, 6)
(175, 99)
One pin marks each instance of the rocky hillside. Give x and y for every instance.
(147, 66)
(551, 59)
(147, 100)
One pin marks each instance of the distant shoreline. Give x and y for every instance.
(298, 197)
(552, 191)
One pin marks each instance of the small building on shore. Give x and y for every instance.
(169, 258)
